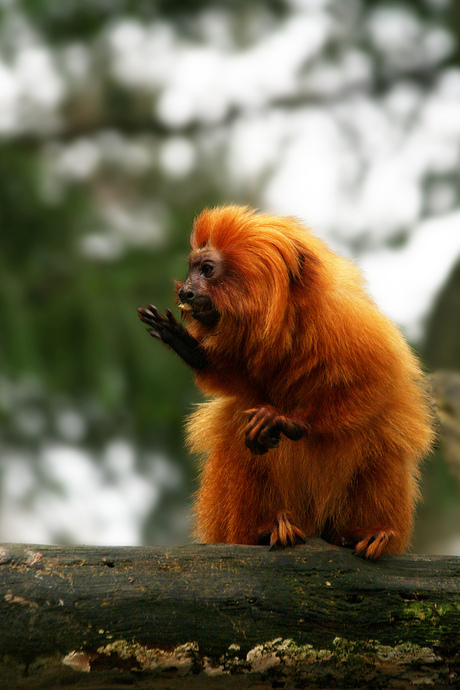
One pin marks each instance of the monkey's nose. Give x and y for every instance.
(186, 294)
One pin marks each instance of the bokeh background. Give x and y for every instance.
(119, 121)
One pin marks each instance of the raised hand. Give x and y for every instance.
(172, 333)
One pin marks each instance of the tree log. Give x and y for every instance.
(220, 616)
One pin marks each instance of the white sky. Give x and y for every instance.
(406, 281)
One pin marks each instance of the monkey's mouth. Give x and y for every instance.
(201, 309)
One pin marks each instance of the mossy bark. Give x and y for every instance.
(226, 616)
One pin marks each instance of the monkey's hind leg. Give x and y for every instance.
(370, 544)
(281, 532)
(378, 513)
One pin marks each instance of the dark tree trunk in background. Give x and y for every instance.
(442, 341)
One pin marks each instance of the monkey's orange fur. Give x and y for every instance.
(298, 332)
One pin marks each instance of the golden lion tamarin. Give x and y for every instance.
(318, 417)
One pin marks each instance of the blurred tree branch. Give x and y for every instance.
(446, 385)
(134, 120)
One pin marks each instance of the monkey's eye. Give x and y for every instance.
(207, 270)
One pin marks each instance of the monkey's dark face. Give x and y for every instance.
(195, 295)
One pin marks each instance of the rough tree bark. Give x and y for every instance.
(217, 616)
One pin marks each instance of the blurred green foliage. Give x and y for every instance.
(71, 321)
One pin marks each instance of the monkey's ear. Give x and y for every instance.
(294, 276)
(177, 286)
(305, 263)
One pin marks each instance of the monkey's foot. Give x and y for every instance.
(371, 545)
(281, 533)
